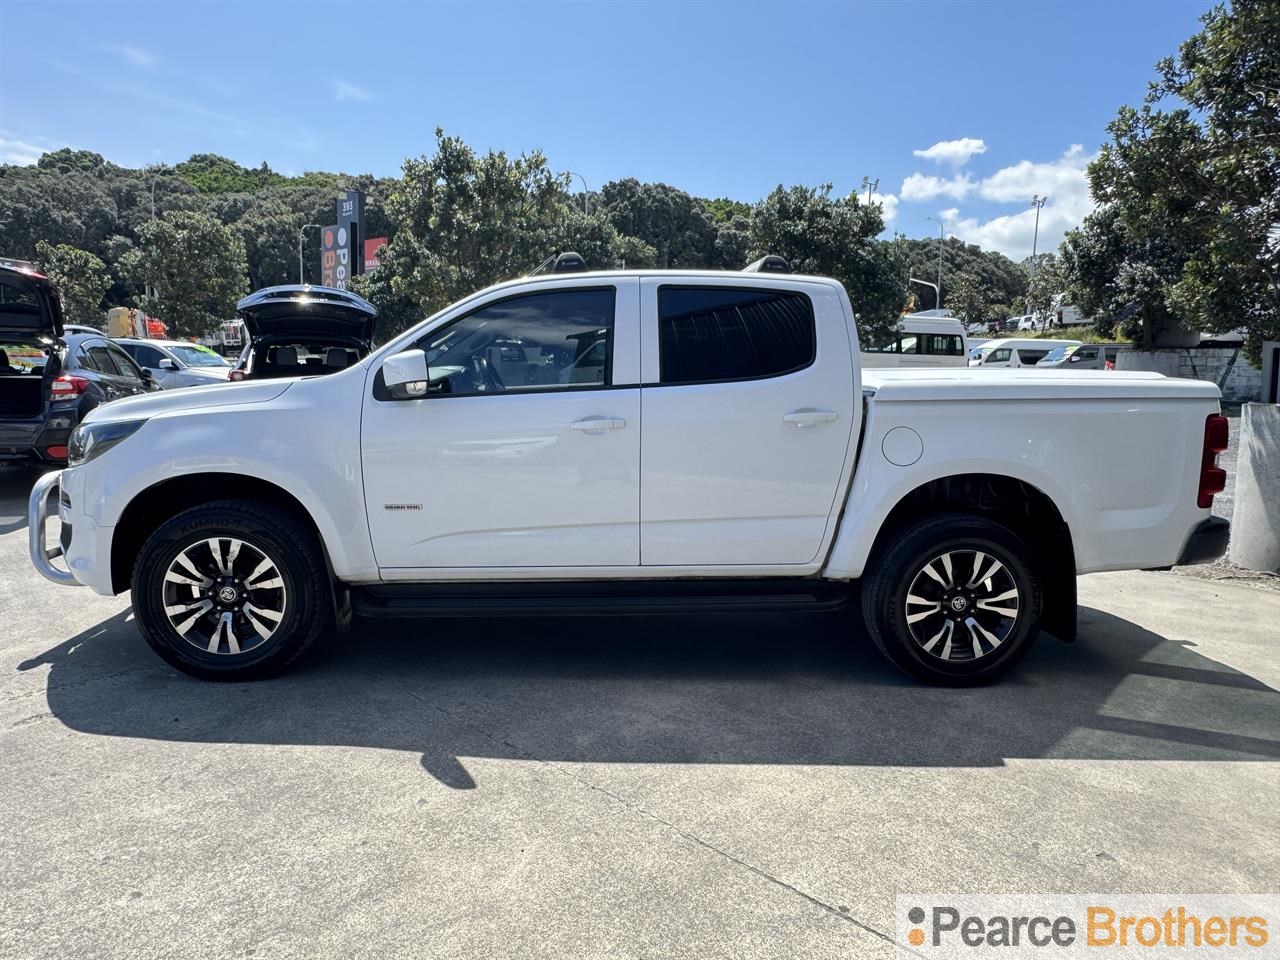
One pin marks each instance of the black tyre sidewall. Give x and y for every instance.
(885, 602)
(278, 536)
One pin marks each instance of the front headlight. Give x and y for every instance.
(90, 440)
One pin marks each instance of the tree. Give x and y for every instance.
(967, 298)
(195, 267)
(1002, 281)
(835, 237)
(1046, 289)
(81, 279)
(1191, 183)
(460, 221)
(678, 226)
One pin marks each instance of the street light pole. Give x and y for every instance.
(301, 233)
(941, 231)
(925, 283)
(868, 185)
(586, 193)
(1037, 201)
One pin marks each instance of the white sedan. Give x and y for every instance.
(176, 363)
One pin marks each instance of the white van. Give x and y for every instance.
(1087, 356)
(920, 342)
(1015, 352)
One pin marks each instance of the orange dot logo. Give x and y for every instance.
(916, 936)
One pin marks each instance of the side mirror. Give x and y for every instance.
(146, 374)
(406, 375)
(1075, 359)
(167, 364)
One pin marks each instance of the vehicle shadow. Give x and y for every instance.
(706, 690)
(16, 481)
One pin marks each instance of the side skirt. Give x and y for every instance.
(561, 598)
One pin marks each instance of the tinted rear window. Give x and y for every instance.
(709, 334)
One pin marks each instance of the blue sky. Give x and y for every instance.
(961, 110)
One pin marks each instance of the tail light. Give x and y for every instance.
(67, 386)
(1213, 479)
(236, 375)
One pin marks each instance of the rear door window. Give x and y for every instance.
(714, 334)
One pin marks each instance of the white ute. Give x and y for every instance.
(646, 441)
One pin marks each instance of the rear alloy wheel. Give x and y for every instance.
(955, 600)
(233, 590)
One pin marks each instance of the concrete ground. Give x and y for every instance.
(698, 787)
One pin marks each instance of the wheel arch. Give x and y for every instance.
(1021, 506)
(167, 498)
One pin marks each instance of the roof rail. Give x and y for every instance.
(771, 263)
(566, 262)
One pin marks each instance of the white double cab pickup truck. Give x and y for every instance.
(637, 441)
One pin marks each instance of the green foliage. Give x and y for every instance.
(195, 267)
(1001, 281)
(724, 210)
(81, 279)
(967, 298)
(1189, 191)
(679, 228)
(835, 237)
(1089, 334)
(460, 221)
(210, 173)
(1046, 290)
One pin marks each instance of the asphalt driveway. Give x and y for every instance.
(666, 787)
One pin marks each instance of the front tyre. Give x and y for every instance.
(955, 600)
(231, 590)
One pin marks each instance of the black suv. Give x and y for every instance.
(48, 380)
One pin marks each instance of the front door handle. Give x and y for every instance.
(598, 424)
(811, 418)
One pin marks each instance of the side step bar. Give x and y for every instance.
(568, 598)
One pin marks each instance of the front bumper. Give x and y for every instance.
(37, 517)
(1208, 542)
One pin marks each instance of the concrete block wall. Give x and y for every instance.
(1243, 383)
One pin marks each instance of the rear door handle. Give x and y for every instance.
(811, 418)
(598, 424)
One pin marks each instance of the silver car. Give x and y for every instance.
(175, 363)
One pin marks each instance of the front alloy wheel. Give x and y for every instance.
(224, 596)
(232, 590)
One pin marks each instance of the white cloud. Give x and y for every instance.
(887, 201)
(18, 152)
(134, 55)
(1065, 184)
(349, 91)
(1062, 178)
(953, 151)
(23, 153)
(922, 186)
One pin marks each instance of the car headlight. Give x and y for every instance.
(91, 440)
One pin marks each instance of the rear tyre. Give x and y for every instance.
(955, 600)
(231, 590)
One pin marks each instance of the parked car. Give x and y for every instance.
(80, 328)
(920, 342)
(1014, 352)
(50, 380)
(301, 330)
(1084, 356)
(175, 363)
(483, 462)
